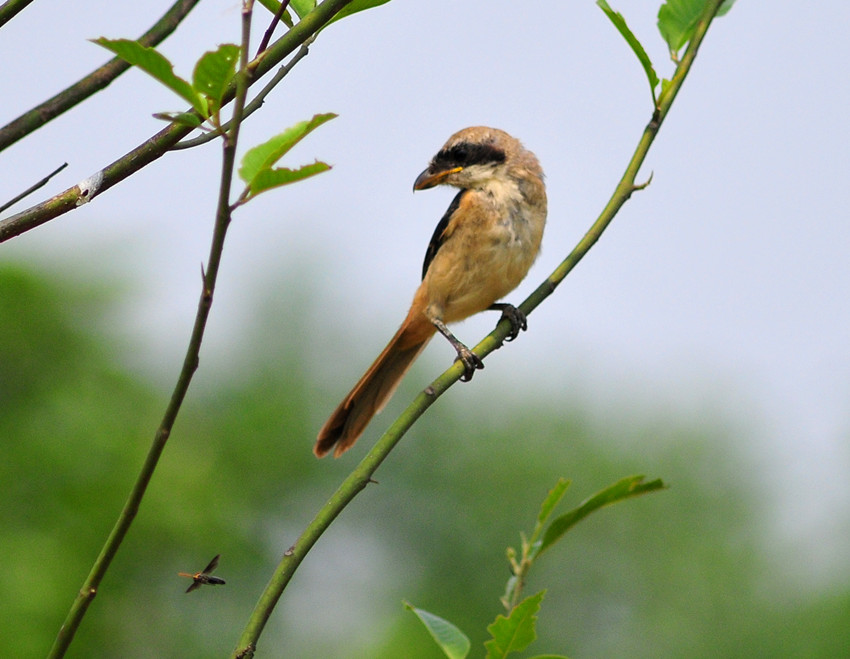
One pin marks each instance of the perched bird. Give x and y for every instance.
(480, 251)
(203, 578)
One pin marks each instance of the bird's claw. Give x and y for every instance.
(471, 362)
(517, 320)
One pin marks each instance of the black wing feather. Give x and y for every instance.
(437, 239)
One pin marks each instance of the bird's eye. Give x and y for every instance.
(460, 153)
(465, 154)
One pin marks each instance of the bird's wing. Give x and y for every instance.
(439, 233)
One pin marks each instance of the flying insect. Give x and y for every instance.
(201, 578)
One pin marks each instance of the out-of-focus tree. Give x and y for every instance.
(685, 573)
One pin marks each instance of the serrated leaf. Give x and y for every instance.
(267, 179)
(623, 489)
(182, 118)
(354, 7)
(453, 642)
(302, 7)
(517, 631)
(154, 64)
(552, 499)
(213, 73)
(264, 156)
(620, 23)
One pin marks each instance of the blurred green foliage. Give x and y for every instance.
(683, 573)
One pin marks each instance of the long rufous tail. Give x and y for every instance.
(375, 388)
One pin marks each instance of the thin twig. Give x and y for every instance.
(361, 476)
(159, 144)
(33, 188)
(258, 100)
(190, 362)
(267, 37)
(10, 9)
(95, 81)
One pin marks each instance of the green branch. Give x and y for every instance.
(625, 187)
(258, 100)
(190, 362)
(95, 81)
(10, 9)
(159, 144)
(358, 479)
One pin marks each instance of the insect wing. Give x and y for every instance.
(212, 566)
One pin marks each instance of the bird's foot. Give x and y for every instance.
(471, 362)
(514, 316)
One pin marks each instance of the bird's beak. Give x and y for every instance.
(429, 179)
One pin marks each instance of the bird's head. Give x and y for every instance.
(474, 156)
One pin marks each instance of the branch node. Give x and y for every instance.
(640, 186)
(247, 652)
(89, 188)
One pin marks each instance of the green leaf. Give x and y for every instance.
(453, 642)
(552, 499)
(354, 7)
(302, 7)
(517, 631)
(153, 63)
(620, 23)
(265, 155)
(677, 20)
(724, 8)
(623, 489)
(267, 179)
(213, 73)
(182, 118)
(548, 656)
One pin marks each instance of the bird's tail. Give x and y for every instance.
(375, 388)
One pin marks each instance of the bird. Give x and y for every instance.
(481, 250)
